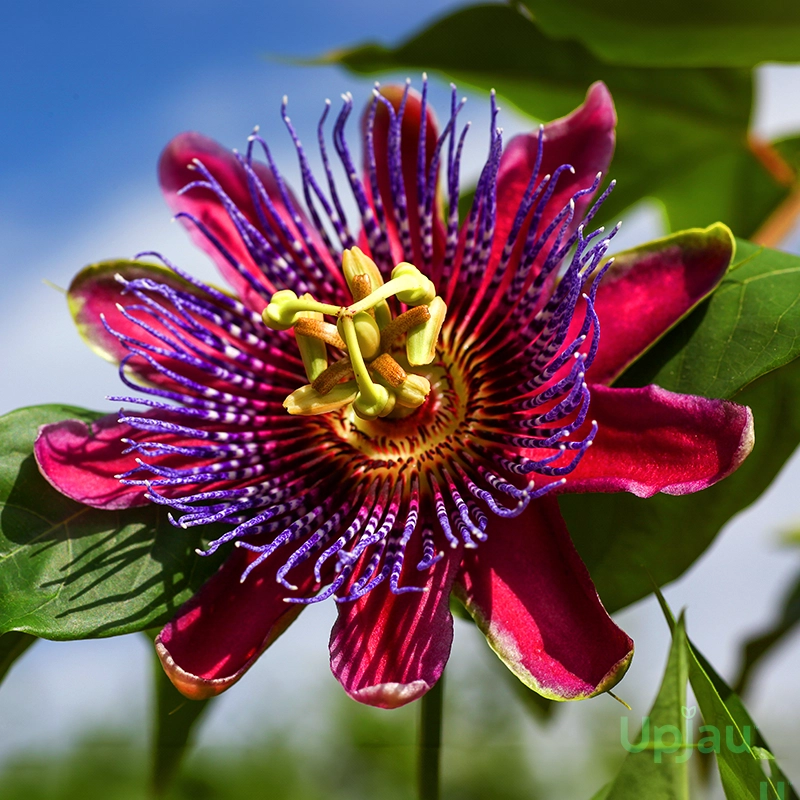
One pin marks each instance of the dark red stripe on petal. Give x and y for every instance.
(651, 440)
(205, 205)
(95, 292)
(81, 460)
(532, 597)
(389, 649)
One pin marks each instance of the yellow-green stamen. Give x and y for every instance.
(312, 350)
(368, 333)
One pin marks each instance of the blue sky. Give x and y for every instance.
(90, 93)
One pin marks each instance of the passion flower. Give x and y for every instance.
(384, 417)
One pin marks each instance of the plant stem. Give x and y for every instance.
(779, 224)
(430, 742)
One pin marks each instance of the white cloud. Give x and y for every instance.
(43, 355)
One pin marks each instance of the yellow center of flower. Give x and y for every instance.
(368, 374)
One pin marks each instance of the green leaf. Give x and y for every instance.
(730, 184)
(739, 768)
(174, 722)
(761, 753)
(741, 772)
(730, 347)
(682, 134)
(68, 571)
(656, 766)
(759, 646)
(12, 646)
(747, 328)
(624, 539)
(681, 33)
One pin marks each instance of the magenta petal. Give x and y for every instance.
(649, 289)
(175, 173)
(218, 634)
(532, 597)
(93, 296)
(81, 461)
(585, 139)
(388, 649)
(650, 440)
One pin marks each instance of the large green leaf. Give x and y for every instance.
(729, 346)
(739, 765)
(740, 769)
(624, 539)
(682, 134)
(68, 571)
(749, 327)
(681, 33)
(743, 720)
(656, 766)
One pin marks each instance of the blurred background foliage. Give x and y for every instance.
(683, 134)
(359, 753)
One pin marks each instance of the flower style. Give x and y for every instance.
(411, 444)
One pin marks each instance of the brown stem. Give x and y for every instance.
(780, 222)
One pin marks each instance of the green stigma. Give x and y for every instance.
(368, 374)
